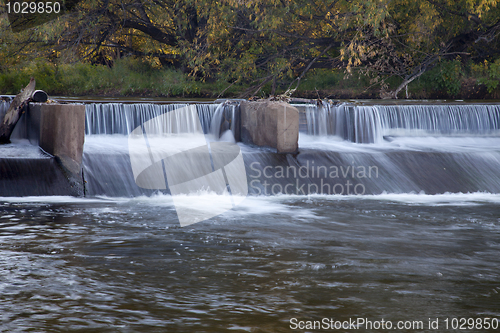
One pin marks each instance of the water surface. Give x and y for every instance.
(125, 264)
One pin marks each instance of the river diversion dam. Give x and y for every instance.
(179, 218)
(381, 148)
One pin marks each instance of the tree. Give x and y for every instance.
(263, 41)
(418, 34)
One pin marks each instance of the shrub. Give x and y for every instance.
(488, 74)
(446, 76)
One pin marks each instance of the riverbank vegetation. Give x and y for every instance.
(243, 48)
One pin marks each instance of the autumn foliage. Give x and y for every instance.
(274, 43)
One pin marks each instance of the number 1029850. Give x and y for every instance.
(33, 7)
(471, 323)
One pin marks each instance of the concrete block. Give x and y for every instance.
(62, 134)
(273, 124)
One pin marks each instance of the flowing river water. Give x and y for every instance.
(407, 252)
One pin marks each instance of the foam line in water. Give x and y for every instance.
(445, 199)
(457, 144)
(261, 204)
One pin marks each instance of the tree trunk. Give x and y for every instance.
(428, 64)
(14, 112)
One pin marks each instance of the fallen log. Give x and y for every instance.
(14, 112)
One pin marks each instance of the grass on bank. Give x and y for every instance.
(128, 77)
(448, 80)
(134, 77)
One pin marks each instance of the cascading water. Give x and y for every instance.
(331, 158)
(106, 159)
(324, 120)
(116, 118)
(4, 106)
(369, 124)
(224, 119)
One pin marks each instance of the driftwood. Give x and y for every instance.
(14, 112)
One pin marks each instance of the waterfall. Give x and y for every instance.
(4, 106)
(441, 119)
(372, 171)
(439, 163)
(206, 114)
(224, 118)
(116, 118)
(369, 124)
(106, 158)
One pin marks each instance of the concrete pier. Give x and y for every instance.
(272, 124)
(59, 129)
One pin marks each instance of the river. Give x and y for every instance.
(411, 255)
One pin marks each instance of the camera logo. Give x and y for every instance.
(171, 151)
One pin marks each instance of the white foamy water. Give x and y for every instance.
(261, 205)
(408, 143)
(207, 201)
(445, 199)
(330, 143)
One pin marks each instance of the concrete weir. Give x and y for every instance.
(59, 130)
(272, 124)
(52, 163)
